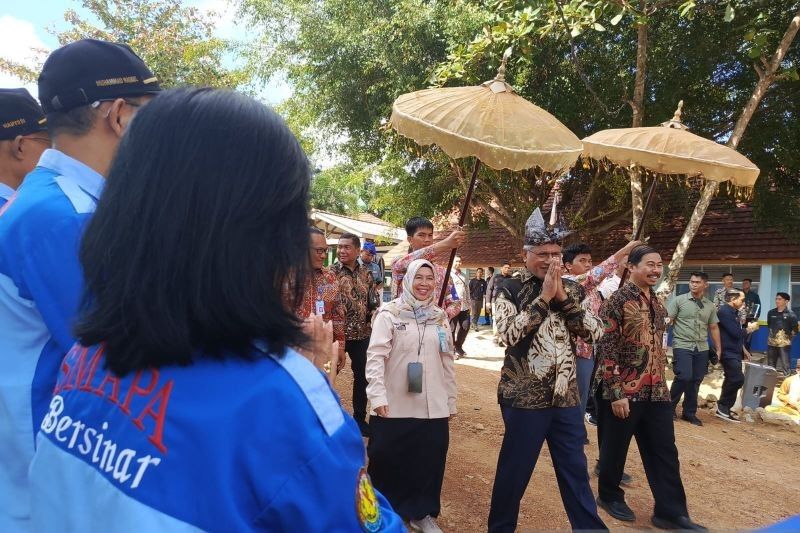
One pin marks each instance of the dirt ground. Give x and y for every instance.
(736, 476)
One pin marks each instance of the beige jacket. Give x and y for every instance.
(394, 344)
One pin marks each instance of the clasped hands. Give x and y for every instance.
(553, 285)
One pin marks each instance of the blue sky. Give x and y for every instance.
(24, 25)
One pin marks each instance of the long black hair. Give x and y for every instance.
(200, 230)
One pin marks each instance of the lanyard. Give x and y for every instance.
(420, 334)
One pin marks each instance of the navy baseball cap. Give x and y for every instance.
(20, 114)
(368, 246)
(89, 70)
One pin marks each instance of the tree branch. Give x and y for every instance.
(579, 66)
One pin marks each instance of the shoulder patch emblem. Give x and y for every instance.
(367, 509)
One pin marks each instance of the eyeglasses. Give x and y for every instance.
(320, 251)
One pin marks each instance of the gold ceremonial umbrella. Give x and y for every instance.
(670, 149)
(489, 122)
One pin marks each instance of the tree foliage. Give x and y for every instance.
(176, 41)
(349, 60)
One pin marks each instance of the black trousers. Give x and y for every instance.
(734, 379)
(778, 358)
(358, 363)
(407, 458)
(690, 367)
(526, 431)
(460, 326)
(651, 423)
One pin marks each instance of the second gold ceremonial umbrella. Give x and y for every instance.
(489, 122)
(670, 149)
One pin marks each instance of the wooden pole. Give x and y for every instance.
(640, 227)
(461, 220)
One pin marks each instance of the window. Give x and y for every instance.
(795, 294)
(715, 273)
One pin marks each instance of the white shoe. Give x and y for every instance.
(426, 525)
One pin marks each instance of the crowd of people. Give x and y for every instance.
(171, 333)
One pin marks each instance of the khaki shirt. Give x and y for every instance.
(394, 343)
(690, 322)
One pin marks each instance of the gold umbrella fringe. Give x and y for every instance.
(697, 181)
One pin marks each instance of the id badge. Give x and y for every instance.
(415, 377)
(319, 307)
(443, 344)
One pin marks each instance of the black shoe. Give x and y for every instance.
(692, 419)
(618, 510)
(682, 523)
(586, 441)
(725, 414)
(363, 426)
(674, 415)
(626, 479)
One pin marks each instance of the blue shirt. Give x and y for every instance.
(6, 193)
(40, 289)
(220, 445)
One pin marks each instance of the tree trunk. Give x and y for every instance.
(637, 104)
(766, 77)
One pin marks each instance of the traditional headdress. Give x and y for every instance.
(537, 232)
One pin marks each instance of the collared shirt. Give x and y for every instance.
(477, 289)
(461, 286)
(590, 280)
(6, 193)
(374, 267)
(539, 370)
(127, 454)
(41, 285)
(690, 320)
(631, 356)
(324, 286)
(451, 306)
(354, 288)
(782, 327)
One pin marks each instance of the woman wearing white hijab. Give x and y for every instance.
(412, 390)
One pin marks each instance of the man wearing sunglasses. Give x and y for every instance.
(90, 91)
(693, 317)
(23, 138)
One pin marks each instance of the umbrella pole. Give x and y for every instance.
(640, 229)
(461, 220)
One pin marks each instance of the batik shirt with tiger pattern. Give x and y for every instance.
(539, 370)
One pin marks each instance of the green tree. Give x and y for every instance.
(176, 41)
(350, 60)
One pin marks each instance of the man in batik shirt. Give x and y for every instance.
(577, 260)
(321, 295)
(633, 398)
(782, 324)
(539, 316)
(356, 283)
(420, 239)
